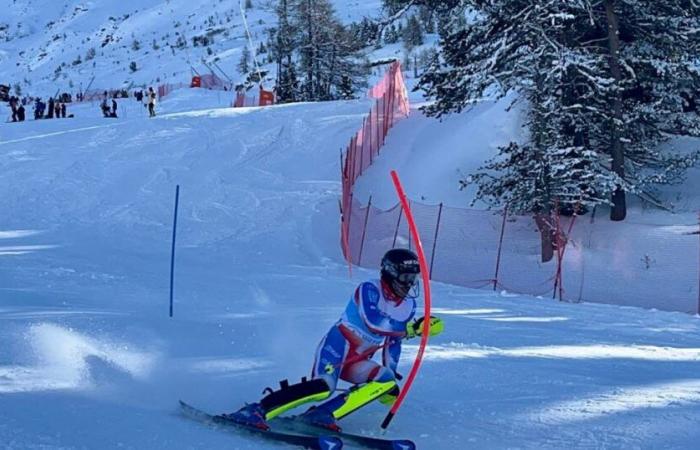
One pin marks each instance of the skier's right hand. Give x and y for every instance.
(416, 327)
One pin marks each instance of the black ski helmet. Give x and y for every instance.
(400, 269)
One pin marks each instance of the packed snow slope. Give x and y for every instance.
(90, 359)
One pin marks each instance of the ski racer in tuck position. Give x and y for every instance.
(378, 316)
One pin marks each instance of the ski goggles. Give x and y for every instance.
(408, 279)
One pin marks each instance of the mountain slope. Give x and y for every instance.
(89, 358)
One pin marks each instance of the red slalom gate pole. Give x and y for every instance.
(426, 281)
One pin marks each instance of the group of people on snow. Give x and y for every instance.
(54, 108)
(18, 112)
(148, 99)
(106, 110)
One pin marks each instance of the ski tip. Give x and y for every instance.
(329, 443)
(404, 445)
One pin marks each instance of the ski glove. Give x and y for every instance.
(415, 328)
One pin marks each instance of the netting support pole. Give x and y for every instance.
(699, 264)
(557, 277)
(500, 248)
(562, 240)
(347, 218)
(376, 120)
(342, 167)
(362, 151)
(353, 158)
(387, 107)
(396, 232)
(364, 231)
(409, 234)
(371, 137)
(371, 153)
(437, 229)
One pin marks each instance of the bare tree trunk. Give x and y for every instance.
(544, 224)
(543, 214)
(619, 209)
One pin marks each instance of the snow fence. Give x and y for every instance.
(391, 105)
(621, 263)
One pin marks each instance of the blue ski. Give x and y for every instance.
(310, 441)
(294, 424)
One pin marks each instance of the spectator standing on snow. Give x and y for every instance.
(50, 111)
(151, 102)
(114, 108)
(13, 106)
(20, 113)
(38, 109)
(63, 110)
(57, 109)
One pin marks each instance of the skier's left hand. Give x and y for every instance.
(416, 327)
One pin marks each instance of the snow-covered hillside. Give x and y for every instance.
(88, 355)
(48, 46)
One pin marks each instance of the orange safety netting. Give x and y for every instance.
(594, 260)
(264, 98)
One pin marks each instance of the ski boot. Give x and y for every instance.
(252, 415)
(277, 402)
(318, 416)
(327, 414)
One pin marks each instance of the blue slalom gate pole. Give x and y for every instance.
(172, 250)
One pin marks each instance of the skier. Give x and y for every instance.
(378, 316)
(151, 102)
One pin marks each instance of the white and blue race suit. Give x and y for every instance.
(371, 321)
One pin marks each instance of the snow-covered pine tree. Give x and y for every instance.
(393, 6)
(581, 110)
(391, 36)
(514, 45)
(658, 48)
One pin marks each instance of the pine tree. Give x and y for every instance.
(603, 90)
(391, 36)
(426, 19)
(244, 62)
(327, 51)
(285, 39)
(413, 33)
